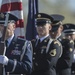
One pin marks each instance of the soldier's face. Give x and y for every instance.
(56, 33)
(70, 36)
(53, 34)
(59, 30)
(10, 30)
(43, 30)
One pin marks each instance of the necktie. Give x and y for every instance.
(39, 41)
(6, 43)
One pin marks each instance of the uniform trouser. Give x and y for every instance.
(65, 72)
(15, 74)
(73, 66)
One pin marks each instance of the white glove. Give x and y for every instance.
(3, 60)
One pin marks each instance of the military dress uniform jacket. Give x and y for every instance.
(62, 36)
(45, 56)
(65, 61)
(73, 64)
(19, 54)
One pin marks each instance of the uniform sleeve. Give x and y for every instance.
(25, 65)
(54, 52)
(67, 57)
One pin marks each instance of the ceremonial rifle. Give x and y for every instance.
(2, 44)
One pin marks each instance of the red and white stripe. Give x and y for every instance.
(15, 7)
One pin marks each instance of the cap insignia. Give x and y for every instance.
(39, 15)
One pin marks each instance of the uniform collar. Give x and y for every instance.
(41, 39)
(58, 36)
(10, 39)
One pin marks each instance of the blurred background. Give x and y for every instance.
(63, 7)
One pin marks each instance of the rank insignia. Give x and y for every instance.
(72, 41)
(53, 52)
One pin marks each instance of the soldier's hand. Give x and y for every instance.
(3, 60)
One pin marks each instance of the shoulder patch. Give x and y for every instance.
(71, 49)
(71, 41)
(53, 52)
(57, 42)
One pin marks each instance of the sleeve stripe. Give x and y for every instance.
(24, 49)
(15, 63)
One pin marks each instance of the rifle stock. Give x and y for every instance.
(2, 43)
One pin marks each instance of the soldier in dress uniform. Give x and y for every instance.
(64, 63)
(18, 56)
(69, 30)
(57, 28)
(46, 51)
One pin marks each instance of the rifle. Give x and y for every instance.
(2, 44)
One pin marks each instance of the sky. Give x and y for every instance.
(71, 3)
(0, 2)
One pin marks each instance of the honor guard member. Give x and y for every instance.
(69, 30)
(63, 66)
(57, 27)
(46, 51)
(18, 56)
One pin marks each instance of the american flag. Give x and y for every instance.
(15, 7)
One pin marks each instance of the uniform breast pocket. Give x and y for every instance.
(43, 50)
